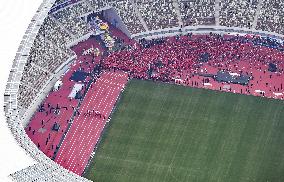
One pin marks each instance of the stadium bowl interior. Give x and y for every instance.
(80, 60)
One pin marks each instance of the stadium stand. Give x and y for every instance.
(43, 172)
(56, 34)
(34, 76)
(158, 14)
(58, 2)
(11, 103)
(45, 55)
(271, 16)
(97, 4)
(126, 11)
(26, 96)
(197, 12)
(69, 18)
(238, 13)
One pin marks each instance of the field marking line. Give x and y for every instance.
(179, 142)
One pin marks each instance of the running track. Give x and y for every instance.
(85, 131)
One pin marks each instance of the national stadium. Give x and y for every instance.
(150, 91)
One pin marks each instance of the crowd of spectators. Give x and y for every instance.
(59, 2)
(69, 17)
(163, 58)
(25, 96)
(164, 14)
(33, 80)
(158, 14)
(145, 43)
(43, 60)
(178, 58)
(45, 55)
(197, 12)
(80, 8)
(238, 13)
(126, 11)
(97, 4)
(271, 16)
(34, 77)
(268, 42)
(57, 35)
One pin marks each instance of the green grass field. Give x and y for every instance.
(169, 133)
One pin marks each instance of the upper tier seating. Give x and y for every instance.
(128, 15)
(262, 15)
(56, 34)
(197, 12)
(271, 17)
(158, 14)
(69, 17)
(238, 13)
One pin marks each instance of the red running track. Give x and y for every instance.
(40, 127)
(85, 131)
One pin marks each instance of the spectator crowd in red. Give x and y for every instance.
(178, 59)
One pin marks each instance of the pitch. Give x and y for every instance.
(166, 133)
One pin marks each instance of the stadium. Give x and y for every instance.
(156, 91)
